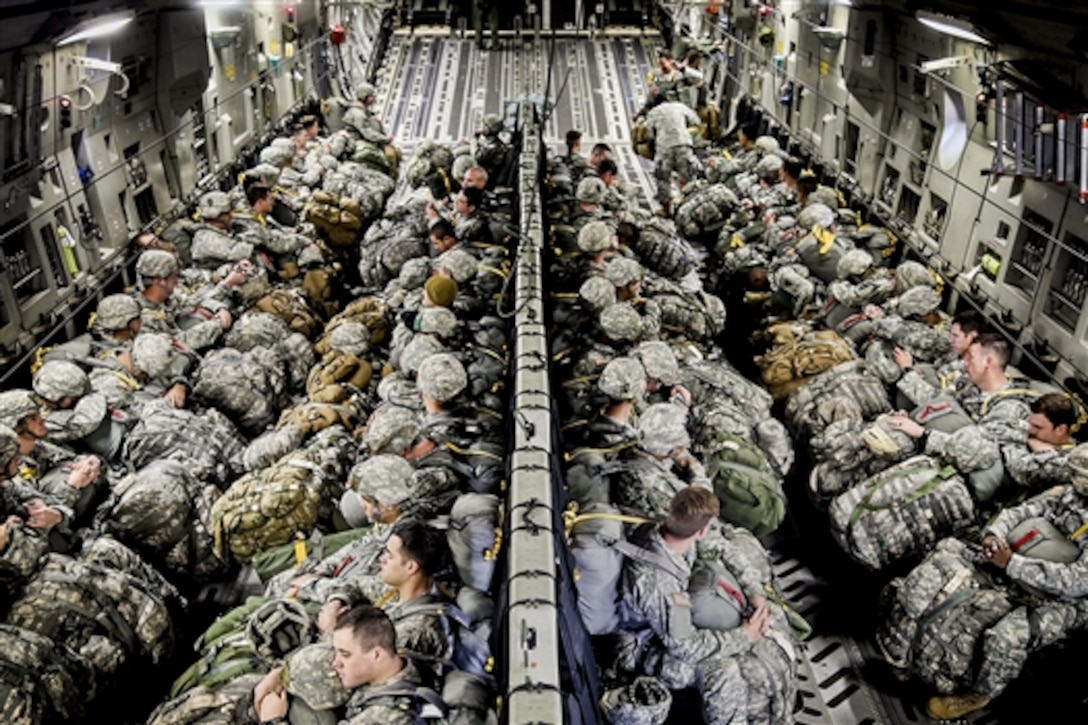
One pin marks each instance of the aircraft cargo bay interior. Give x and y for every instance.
(549, 362)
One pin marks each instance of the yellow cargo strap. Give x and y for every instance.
(445, 180)
(385, 598)
(473, 452)
(735, 241)
(726, 154)
(493, 270)
(571, 518)
(602, 451)
(300, 551)
(1079, 532)
(826, 237)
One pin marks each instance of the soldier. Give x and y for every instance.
(492, 153)
(18, 484)
(214, 243)
(658, 636)
(386, 688)
(673, 152)
(997, 409)
(1042, 462)
(626, 275)
(413, 555)
(115, 322)
(162, 305)
(280, 245)
(662, 373)
(597, 242)
(664, 82)
(949, 373)
(573, 158)
(365, 124)
(1058, 581)
(662, 463)
(388, 497)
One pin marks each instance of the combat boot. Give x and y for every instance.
(953, 707)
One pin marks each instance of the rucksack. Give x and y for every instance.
(247, 387)
(849, 390)
(659, 248)
(475, 536)
(231, 704)
(273, 506)
(750, 491)
(901, 512)
(289, 306)
(206, 443)
(704, 211)
(162, 511)
(41, 681)
(933, 619)
(108, 616)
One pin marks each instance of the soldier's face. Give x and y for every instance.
(396, 568)
(473, 180)
(354, 663)
(959, 340)
(35, 425)
(461, 205)
(975, 363)
(1040, 428)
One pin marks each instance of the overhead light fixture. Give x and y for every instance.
(97, 27)
(951, 26)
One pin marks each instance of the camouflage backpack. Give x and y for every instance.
(289, 306)
(206, 442)
(847, 390)
(248, 387)
(933, 619)
(704, 211)
(821, 254)
(747, 485)
(108, 616)
(337, 219)
(901, 512)
(231, 704)
(162, 511)
(41, 682)
(659, 248)
(266, 508)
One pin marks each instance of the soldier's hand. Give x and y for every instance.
(326, 617)
(873, 312)
(997, 551)
(681, 393)
(43, 517)
(756, 625)
(1037, 445)
(225, 319)
(269, 697)
(902, 358)
(906, 425)
(176, 395)
(5, 530)
(84, 472)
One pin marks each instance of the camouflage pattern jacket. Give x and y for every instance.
(367, 707)
(653, 606)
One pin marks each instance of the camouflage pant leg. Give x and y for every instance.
(1007, 644)
(685, 163)
(724, 691)
(1004, 651)
(770, 673)
(663, 174)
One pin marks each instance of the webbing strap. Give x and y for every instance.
(653, 558)
(864, 505)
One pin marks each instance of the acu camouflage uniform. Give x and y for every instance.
(669, 123)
